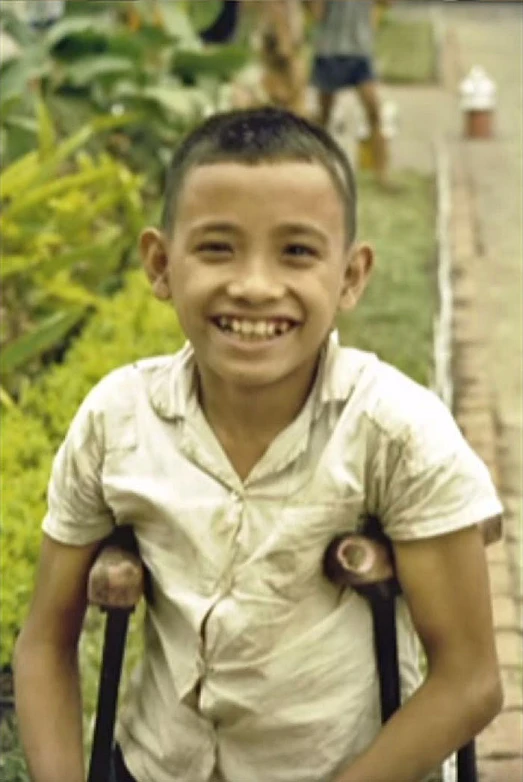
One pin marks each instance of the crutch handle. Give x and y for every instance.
(116, 579)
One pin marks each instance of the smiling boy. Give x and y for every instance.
(237, 460)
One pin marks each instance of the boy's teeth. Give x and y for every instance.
(260, 329)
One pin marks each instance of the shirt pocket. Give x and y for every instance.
(291, 566)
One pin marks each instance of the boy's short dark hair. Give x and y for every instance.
(254, 136)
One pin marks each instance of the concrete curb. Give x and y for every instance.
(442, 351)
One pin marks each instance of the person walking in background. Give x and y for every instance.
(284, 78)
(343, 58)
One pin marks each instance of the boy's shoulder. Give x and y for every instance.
(162, 380)
(394, 402)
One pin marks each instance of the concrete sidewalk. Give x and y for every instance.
(487, 179)
(485, 243)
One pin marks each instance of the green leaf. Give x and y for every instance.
(46, 130)
(21, 175)
(22, 123)
(86, 70)
(8, 105)
(177, 22)
(16, 75)
(220, 62)
(62, 288)
(21, 168)
(15, 26)
(44, 337)
(74, 25)
(203, 15)
(88, 8)
(6, 400)
(172, 99)
(41, 194)
(153, 37)
(13, 265)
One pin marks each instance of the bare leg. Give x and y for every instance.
(368, 94)
(326, 100)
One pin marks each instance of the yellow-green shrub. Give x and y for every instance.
(130, 326)
(68, 218)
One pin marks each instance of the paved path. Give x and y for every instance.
(486, 230)
(489, 174)
(485, 237)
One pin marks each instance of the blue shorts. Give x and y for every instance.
(338, 72)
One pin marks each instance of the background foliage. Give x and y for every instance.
(108, 57)
(68, 221)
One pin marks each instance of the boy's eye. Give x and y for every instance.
(300, 251)
(217, 248)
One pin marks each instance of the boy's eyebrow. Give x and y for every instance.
(283, 228)
(214, 225)
(302, 228)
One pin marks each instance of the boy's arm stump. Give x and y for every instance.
(116, 583)
(366, 562)
(116, 579)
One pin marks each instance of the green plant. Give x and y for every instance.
(94, 60)
(68, 219)
(129, 326)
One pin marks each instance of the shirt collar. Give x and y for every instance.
(173, 388)
(337, 376)
(171, 384)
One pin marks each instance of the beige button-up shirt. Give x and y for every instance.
(256, 668)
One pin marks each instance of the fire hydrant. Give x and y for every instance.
(478, 101)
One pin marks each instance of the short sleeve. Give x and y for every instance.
(438, 484)
(77, 513)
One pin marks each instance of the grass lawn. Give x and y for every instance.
(395, 316)
(405, 50)
(394, 320)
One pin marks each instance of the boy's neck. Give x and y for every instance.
(246, 420)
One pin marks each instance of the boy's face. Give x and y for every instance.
(257, 268)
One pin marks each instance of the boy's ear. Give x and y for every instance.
(359, 264)
(153, 250)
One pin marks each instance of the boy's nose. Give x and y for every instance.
(255, 286)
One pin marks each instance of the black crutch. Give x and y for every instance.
(116, 583)
(365, 562)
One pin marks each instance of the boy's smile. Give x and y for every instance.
(257, 267)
